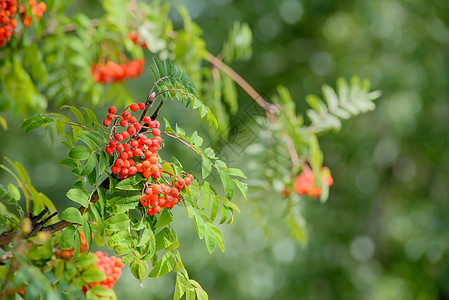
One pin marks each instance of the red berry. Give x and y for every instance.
(141, 105)
(146, 173)
(134, 144)
(119, 137)
(134, 107)
(110, 116)
(156, 132)
(124, 155)
(106, 123)
(112, 143)
(115, 169)
(132, 120)
(125, 135)
(119, 147)
(138, 152)
(126, 115)
(144, 201)
(132, 170)
(112, 110)
(147, 120)
(156, 209)
(119, 162)
(124, 123)
(109, 150)
(138, 126)
(131, 130)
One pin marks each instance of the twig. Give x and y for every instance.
(154, 115)
(7, 237)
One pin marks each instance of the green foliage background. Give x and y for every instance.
(383, 232)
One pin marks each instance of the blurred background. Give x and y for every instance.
(383, 234)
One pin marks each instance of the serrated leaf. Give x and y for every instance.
(67, 238)
(235, 172)
(213, 208)
(164, 219)
(89, 165)
(200, 226)
(72, 215)
(165, 265)
(92, 276)
(14, 191)
(243, 187)
(209, 239)
(79, 153)
(87, 230)
(78, 196)
(129, 184)
(119, 238)
(117, 222)
(78, 115)
(145, 237)
(180, 286)
(205, 194)
(164, 239)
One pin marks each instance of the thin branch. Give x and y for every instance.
(268, 107)
(7, 237)
(154, 115)
(190, 146)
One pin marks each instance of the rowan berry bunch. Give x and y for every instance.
(137, 40)
(8, 10)
(37, 9)
(305, 182)
(111, 266)
(68, 254)
(114, 72)
(137, 153)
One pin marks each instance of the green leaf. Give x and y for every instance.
(14, 191)
(78, 196)
(117, 222)
(79, 153)
(235, 172)
(165, 265)
(213, 208)
(139, 269)
(206, 166)
(119, 238)
(98, 218)
(77, 245)
(89, 165)
(224, 214)
(87, 230)
(145, 237)
(129, 184)
(205, 194)
(200, 226)
(67, 238)
(243, 187)
(164, 219)
(84, 261)
(69, 162)
(167, 168)
(229, 204)
(76, 113)
(228, 185)
(164, 239)
(72, 215)
(92, 276)
(180, 287)
(103, 162)
(209, 239)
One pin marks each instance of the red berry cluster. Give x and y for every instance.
(68, 254)
(113, 72)
(37, 9)
(136, 153)
(305, 185)
(111, 266)
(8, 9)
(157, 195)
(137, 40)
